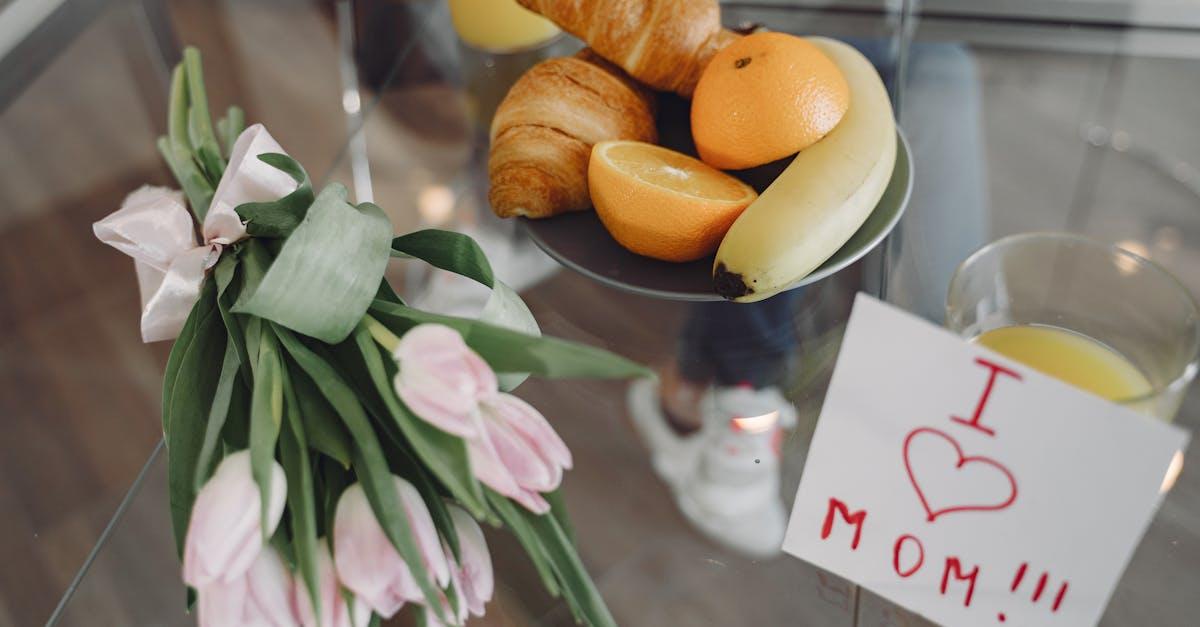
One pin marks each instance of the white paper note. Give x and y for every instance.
(969, 488)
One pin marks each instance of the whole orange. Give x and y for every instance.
(764, 97)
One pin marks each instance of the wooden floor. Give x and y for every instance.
(79, 393)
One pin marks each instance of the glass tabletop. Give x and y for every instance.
(1051, 119)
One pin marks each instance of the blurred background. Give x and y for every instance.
(1078, 115)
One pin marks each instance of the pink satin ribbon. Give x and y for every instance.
(154, 227)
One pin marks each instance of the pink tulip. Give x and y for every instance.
(369, 565)
(261, 597)
(225, 533)
(441, 379)
(518, 454)
(512, 448)
(335, 612)
(472, 572)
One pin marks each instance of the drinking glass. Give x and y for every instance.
(1124, 302)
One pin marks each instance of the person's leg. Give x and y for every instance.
(713, 423)
(727, 344)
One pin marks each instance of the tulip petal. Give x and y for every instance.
(335, 611)
(476, 579)
(424, 531)
(441, 379)
(220, 604)
(532, 501)
(532, 426)
(487, 467)
(365, 559)
(367, 562)
(522, 460)
(435, 402)
(269, 587)
(224, 534)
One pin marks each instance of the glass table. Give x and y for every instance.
(1018, 122)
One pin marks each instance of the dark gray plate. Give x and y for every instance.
(580, 242)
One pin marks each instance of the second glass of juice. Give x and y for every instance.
(1087, 313)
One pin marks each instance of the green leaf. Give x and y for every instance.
(266, 413)
(236, 434)
(577, 585)
(369, 463)
(177, 110)
(517, 524)
(504, 308)
(255, 261)
(444, 454)
(334, 480)
(301, 494)
(254, 330)
(222, 398)
(182, 342)
(511, 351)
(200, 130)
(558, 509)
(553, 553)
(228, 286)
(447, 250)
(386, 293)
(324, 431)
(459, 253)
(279, 218)
(283, 544)
(229, 128)
(328, 271)
(186, 404)
(177, 148)
(207, 154)
(191, 180)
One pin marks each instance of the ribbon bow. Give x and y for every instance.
(154, 227)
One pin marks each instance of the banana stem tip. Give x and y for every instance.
(730, 285)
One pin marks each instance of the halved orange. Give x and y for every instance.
(661, 203)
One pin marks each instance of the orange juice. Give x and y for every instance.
(499, 25)
(1070, 357)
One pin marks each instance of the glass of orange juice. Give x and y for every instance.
(500, 25)
(1087, 313)
(500, 41)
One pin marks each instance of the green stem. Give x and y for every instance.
(381, 334)
(198, 96)
(177, 113)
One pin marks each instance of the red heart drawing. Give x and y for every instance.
(963, 460)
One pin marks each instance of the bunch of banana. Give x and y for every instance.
(822, 197)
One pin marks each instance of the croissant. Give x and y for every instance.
(663, 43)
(544, 129)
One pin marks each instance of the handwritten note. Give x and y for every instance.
(969, 488)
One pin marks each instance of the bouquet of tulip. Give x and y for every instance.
(330, 449)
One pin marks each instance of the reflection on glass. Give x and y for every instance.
(1090, 314)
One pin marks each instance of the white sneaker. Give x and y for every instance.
(673, 455)
(726, 477)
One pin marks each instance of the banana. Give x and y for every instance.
(820, 199)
